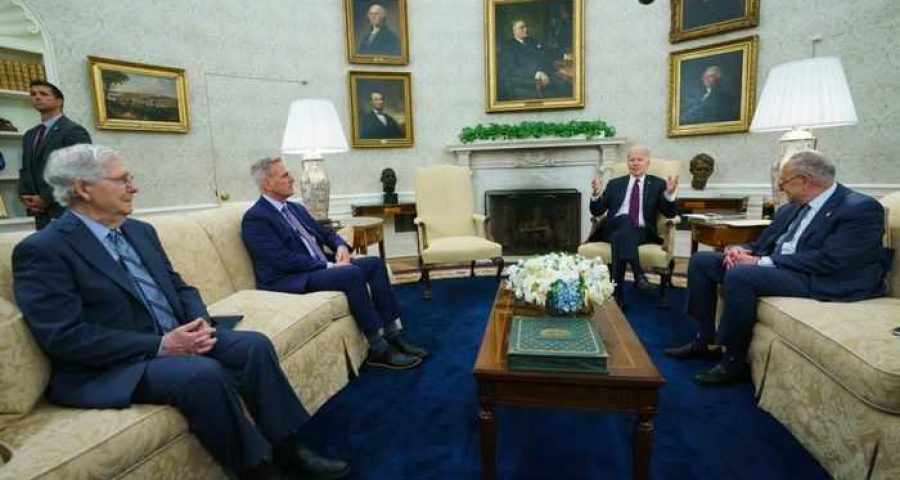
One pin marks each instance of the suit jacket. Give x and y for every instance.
(86, 314)
(64, 133)
(280, 259)
(840, 250)
(371, 127)
(384, 43)
(519, 62)
(718, 106)
(655, 202)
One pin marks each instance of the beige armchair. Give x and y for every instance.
(447, 226)
(653, 257)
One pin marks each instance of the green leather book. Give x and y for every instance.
(555, 344)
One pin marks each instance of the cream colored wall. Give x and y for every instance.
(246, 61)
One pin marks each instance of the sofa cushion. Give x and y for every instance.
(460, 249)
(852, 342)
(288, 319)
(193, 255)
(24, 370)
(67, 443)
(223, 227)
(8, 242)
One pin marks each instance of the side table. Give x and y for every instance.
(366, 231)
(721, 234)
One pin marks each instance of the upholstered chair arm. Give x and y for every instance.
(666, 228)
(485, 223)
(421, 235)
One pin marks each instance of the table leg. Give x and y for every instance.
(363, 249)
(381, 250)
(643, 443)
(488, 430)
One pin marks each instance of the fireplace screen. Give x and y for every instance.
(527, 222)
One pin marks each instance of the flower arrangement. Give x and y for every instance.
(561, 282)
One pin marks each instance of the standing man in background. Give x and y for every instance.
(54, 132)
(631, 204)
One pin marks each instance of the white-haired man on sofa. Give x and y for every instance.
(120, 326)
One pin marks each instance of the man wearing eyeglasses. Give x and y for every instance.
(120, 326)
(825, 244)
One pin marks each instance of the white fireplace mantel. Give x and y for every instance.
(600, 153)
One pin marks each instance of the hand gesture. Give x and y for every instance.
(597, 186)
(671, 184)
(342, 256)
(195, 338)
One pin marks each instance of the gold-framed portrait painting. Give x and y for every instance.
(701, 18)
(712, 88)
(136, 96)
(534, 54)
(381, 110)
(376, 31)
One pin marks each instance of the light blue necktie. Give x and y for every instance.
(154, 298)
(307, 237)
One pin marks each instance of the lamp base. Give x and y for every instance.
(796, 140)
(315, 188)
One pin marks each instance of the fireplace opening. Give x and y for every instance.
(535, 221)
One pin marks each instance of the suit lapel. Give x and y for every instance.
(836, 199)
(152, 261)
(89, 248)
(51, 136)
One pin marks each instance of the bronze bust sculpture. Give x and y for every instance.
(702, 167)
(389, 184)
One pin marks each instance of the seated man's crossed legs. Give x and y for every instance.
(377, 315)
(742, 285)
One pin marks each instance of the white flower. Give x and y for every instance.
(531, 279)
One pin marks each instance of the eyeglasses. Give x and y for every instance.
(782, 183)
(126, 181)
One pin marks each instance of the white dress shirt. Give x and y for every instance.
(789, 247)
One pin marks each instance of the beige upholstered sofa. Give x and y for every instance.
(830, 372)
(316, 338)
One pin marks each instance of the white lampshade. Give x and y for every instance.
(313, 128)
(809, 93)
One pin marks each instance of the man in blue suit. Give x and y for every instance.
(286, 247)
(120, 326)
(631, 204)
(825, 244)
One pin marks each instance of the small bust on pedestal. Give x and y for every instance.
(702, 167)
(389, 184)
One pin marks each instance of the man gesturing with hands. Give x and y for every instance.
(120, 326)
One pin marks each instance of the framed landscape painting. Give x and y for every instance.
(135, 96)
(712, 88)
(701, 18)
(376, 31)
(381, 109)
(534, 54)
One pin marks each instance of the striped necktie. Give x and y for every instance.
(307, 237)
(152, 296)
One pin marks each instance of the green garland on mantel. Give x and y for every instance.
(496, 131)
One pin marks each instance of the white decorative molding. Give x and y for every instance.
(601, 153)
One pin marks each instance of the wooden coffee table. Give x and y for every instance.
(631, 385)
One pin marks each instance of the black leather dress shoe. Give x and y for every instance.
(391, 358)
(723, 375)
(307, 464)
(694, 349)
(266, 471)
(642, 284)
(405, 347)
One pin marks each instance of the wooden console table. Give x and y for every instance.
(366, 231)
(721, 234)
(403, 213)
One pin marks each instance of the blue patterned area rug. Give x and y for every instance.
(421, 424)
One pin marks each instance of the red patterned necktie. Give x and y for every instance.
(40, 136)
(634, 204)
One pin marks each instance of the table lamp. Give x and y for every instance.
(797, 97)
(312, 129)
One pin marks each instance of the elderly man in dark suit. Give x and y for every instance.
(379, 40)
(55, 131)
(710, 102)
(825, 244)
(120, 326)
(632, 203)
(286, 247)
(526, 68)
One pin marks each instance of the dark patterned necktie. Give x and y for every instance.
(153, 297)
(788, 234)
(39, 137)
(307, 237)
(634, 204)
